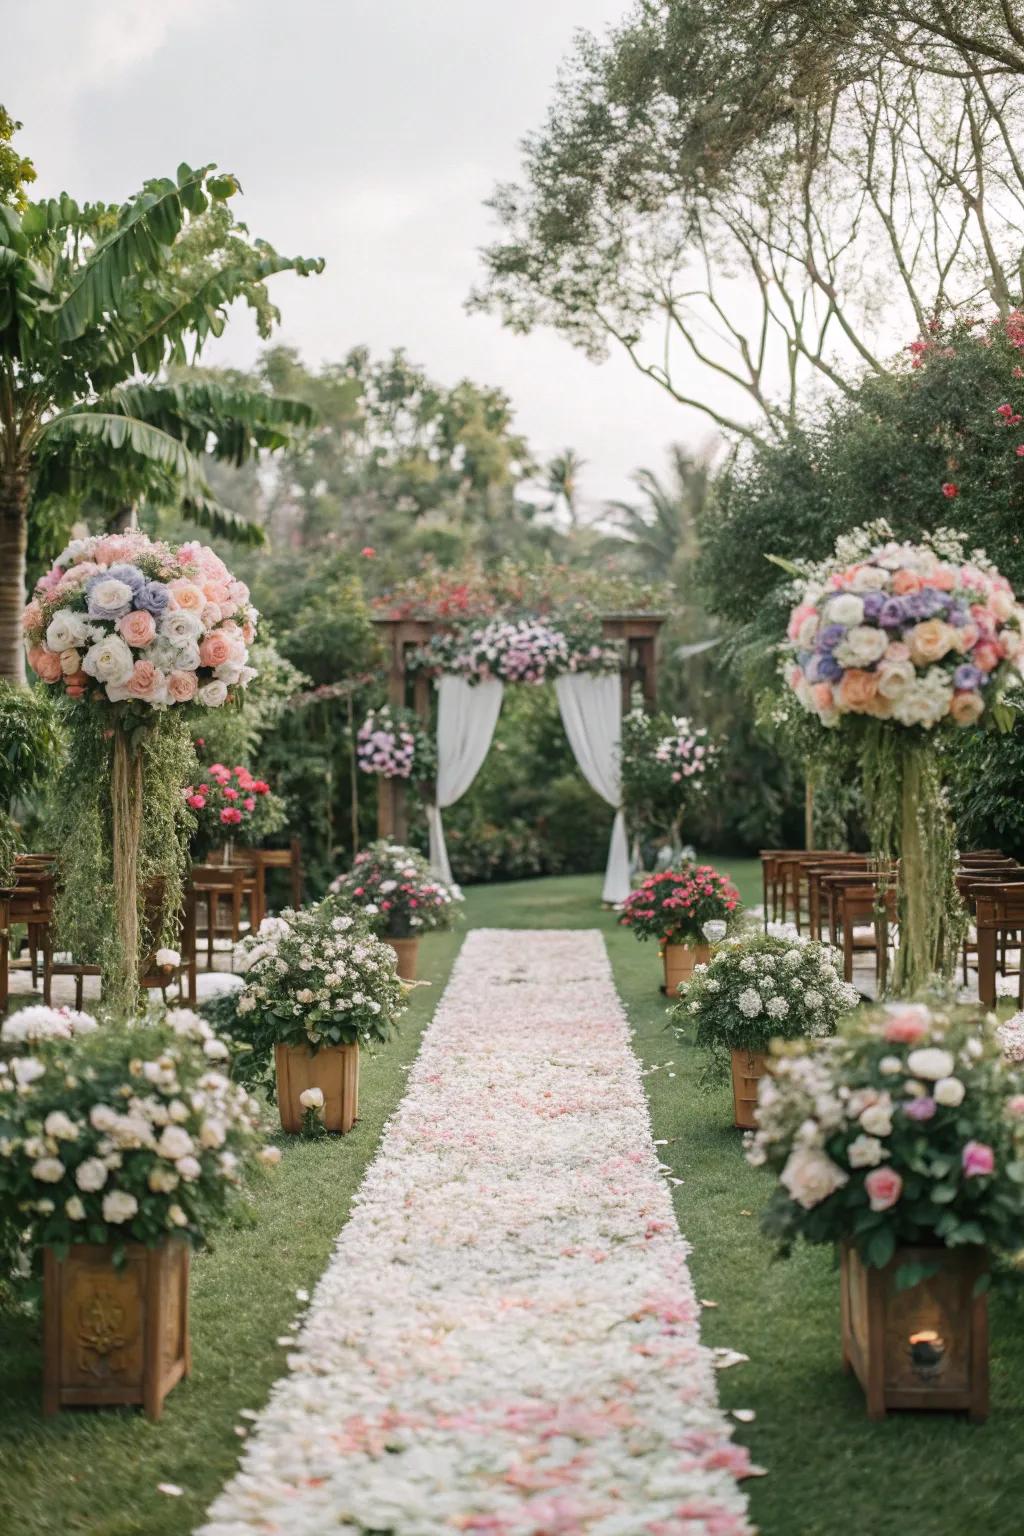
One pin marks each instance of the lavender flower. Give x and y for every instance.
(153, 597)
(892, 613)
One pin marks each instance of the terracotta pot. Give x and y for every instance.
(922, 1347)
(407, 951)
(680, 960)
(115, 1336)
(748, 1068)
(334, 1069)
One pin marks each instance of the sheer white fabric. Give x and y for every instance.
(466, 717)
(591, 706)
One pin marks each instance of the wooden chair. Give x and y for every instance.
(289, 858)
(860, 904)
(30, 901)
(5, 943)
(999, 909)
(839, 863)
(216, 883)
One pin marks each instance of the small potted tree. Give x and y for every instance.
(756, 988)
(317, 985)
(120, 1146)
(901, 1140)
(400, 899)
(674, 907)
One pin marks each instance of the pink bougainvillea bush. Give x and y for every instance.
(124, 619)
(905, 1128)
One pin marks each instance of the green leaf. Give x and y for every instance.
(880, 1247)
(909, 1275)
(942, 1194)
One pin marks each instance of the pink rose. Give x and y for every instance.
(216, 592)
(112, 550)
(146, 681)
(181, 686)
(45, 664)
(215, 649)
(905, 1028)
(197, 802)
(138, 627)
(187, 595)
(897, 651)
(248, 632)
(211, 615)
(944, 578)
(249, 803)
(884, 1187)
(978, 1159)
(799, 616)
(987, 655)
(32, 618)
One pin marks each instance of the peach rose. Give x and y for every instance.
(181, 686)
(248, 632)
(45, 664)
(967, 637)
(215, 649)
(880, 707)
(931, 641)
(987, 655)
(70, 662)
(823, 697)
(138, 627)
(967, 707)
(943, 577)
(187, 595)
(216, 592)
(145, 681)
(904, 582)
(857, 690)
(32, 618)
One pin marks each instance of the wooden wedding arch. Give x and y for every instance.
(636, 632)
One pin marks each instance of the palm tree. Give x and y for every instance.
(95, 300)
(561, 479)
(661, 529)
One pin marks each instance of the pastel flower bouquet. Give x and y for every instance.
(524, 650)
(758, 987)
(396, 892)
(905, 1129)
(890, 643)
(127, 1133)
(392, 744)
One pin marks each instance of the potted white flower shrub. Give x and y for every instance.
(756, 988)
(317, 985)
(399, 897)
(901, 1140)
(119, 1147)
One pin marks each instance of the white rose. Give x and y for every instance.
(189, 1168)
(895, 677)
(845, 609)
(865, 1152)
(877, 1119)
(60, 1127)
(119, 1206)
(48, 1170)
(180, 626)
(162, 1179)
(91, 1175)
(67, 629)
(811, 1176)
(178, 1110)
(890, 1065)
(869, 579)
(111, 594)
(213, 1133)
(949, 1091)
(312, 1098)
(174, 1143)
(74, 1209)
(102, 1118)
(213, 694)
(26, 1070)
(931, 1063)
(176, 1216)
(861, 646)
(109, 661)
(215, 1050)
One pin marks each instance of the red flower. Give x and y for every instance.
(950, 490)
(368, 552)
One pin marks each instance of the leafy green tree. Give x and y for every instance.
(15, 170)
(94, 296)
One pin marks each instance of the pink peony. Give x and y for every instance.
(978, 1159)
(197, 802)
(137, 627)
(987, 655)
(181, 686)
(884, 1187)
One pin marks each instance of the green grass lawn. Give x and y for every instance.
(829, 1470)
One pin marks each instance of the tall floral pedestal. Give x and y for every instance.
(748, 1068)
(334, 1069)
(925, 1347)
(115, 1336)
(407, 951)
(679, 961)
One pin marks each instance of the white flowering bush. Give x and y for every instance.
(316, 977)
(29, 1026)
(759, 987)
(127, 1133)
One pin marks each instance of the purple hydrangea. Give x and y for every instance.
(153, 597)
(958, 615)
(892, 613)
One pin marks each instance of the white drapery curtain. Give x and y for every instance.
(466, 717)
(591, 705)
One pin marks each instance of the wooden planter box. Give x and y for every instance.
(921, 1348)
(680, 960)
(407, 951)
(334, 1069)
(748, 1068)
(115, 1336)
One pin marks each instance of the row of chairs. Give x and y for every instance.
(850, 900)
(233, 895)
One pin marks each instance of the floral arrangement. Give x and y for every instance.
(230, 800)
(29, 1026)
(396, 892)
(906, 1128)
(758, 987)
(665, 766)
(914, 633)
(673, 906)
(127, 1133)
(525, 650)
(123, 619)
(316, 977)
(392, 744)
(475, 591)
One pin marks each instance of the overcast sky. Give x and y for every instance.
(366, 131)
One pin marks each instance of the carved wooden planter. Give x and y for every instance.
(748, 1068)
(921, 1348)
(679, 960)
(115, 1336)
(407, 951)
(334, 1069)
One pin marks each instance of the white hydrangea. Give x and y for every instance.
(749, 1003)
(777, 1007)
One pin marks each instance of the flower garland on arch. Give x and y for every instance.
(523, 650)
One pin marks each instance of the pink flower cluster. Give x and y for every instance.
(903, 634)
(687, 753)
(385, 746)
(230, 796)
(121, 618)
(516, 651)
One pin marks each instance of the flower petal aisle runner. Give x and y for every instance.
(506, 1341)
